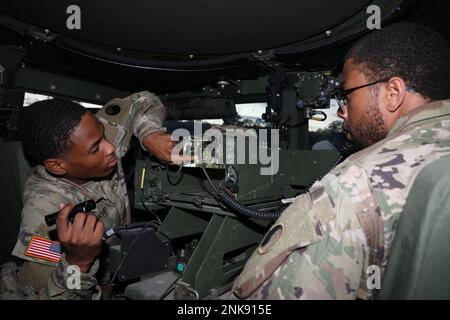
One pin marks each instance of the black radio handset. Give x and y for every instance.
(85, 207)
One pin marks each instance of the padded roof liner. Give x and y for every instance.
(158, 37)
(189, 27)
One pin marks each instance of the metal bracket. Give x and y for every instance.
(39, 34)
(184, 291)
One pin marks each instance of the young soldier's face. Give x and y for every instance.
(91, 155)
(362, 116)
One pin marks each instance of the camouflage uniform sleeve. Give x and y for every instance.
(331, 265)
(331, 268)
(46, 275)
(39, 201)
(58, 283)
(147, 114)
(141, 113)
(34, 281)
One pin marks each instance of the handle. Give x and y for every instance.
(86, 206)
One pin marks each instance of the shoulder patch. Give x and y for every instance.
(116, 111)
(44, 249)
(271, 237)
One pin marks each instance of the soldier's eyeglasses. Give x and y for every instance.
(341, 94)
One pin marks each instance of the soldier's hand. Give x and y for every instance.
(160, 145)
(82, 239)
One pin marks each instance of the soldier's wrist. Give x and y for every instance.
(84, 265)
(66, 278)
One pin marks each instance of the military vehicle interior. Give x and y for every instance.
(254, 64)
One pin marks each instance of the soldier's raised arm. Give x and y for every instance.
(140, 114)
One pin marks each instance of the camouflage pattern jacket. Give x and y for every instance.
(140, 114)
(324, 244)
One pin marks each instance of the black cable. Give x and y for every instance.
(232, 203)
(170, 288)
(148, 209)
(175, 176)
(142, 195)
(137, 225)
(207, 177)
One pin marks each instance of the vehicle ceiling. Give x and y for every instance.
(174, 45)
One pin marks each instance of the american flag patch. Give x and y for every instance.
(45, 249)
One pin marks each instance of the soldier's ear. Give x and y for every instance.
(55, 166)
(396, 93)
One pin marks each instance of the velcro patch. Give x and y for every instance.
(271, 237)
(44, 249)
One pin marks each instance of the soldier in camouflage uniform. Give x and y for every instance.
(397, 80)
(96, 174)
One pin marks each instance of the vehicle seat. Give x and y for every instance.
(14, 170)
(419, 262)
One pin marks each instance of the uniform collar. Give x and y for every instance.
(431, 110)
(41, 172)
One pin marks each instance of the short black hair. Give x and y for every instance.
(416, 53)
(45, 128)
